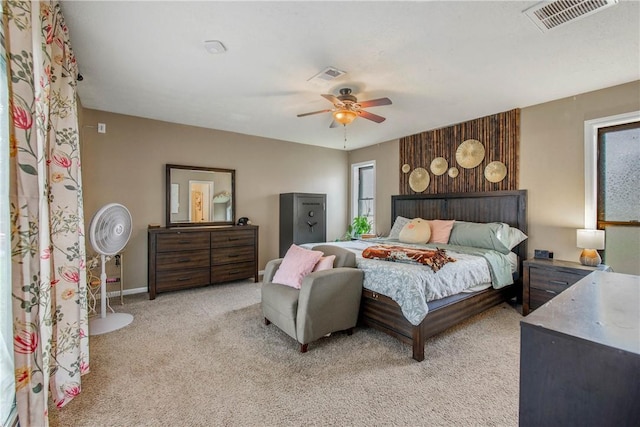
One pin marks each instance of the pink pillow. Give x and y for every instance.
(297, 263)
(440, 230)
(325, 263)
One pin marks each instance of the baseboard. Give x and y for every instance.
(133, 291)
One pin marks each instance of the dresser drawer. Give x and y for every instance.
(220, 239)
(552, 280)
(182, 241)
(232, 255)
(182, 260)
(538, 297)
(181, 279)
(228, 272)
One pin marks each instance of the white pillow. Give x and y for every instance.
(397, 227)
(514, 237)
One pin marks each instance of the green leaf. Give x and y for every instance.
(37, 388)
(28, 169)
(70, 187)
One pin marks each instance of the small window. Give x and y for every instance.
(619, 175)
(363, 191)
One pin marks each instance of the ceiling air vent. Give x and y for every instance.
(549, 15)
(327, 74)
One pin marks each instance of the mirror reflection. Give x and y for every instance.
(199, 195)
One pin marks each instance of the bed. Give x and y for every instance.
(384, 313)
(381, 312)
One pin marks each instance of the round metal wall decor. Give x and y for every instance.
(470, 153)
(439, 166)
(419, 180)
(495, 171)
(406, 168)
(453, 172)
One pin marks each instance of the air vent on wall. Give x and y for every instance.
(549, 15)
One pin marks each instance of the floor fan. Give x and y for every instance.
(109, 233)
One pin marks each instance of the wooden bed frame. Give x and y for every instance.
(381, 312)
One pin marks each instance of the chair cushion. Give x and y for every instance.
(296, 264)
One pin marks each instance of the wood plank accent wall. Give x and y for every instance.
(500, 134)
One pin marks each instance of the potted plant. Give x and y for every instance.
(360, 225)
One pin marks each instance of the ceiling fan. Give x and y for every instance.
(347, 108)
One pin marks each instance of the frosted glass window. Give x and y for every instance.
(619, 174)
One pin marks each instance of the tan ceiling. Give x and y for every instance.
(439, 62)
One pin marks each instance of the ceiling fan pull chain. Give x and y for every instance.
(345, 136)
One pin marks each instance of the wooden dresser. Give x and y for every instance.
(580, 355)
(181, 258)
(544, 279)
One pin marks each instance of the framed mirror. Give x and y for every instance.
(200, 196)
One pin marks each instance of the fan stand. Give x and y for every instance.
(107, 322)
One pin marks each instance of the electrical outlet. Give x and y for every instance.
(102, 128)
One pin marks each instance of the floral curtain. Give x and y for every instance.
(50, 319)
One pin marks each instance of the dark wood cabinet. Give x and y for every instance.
(544, 279)
(303, 219)
(181, 258)
(580, 355)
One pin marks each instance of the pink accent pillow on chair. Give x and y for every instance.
(440, 230)
(297, 263)
(325, 263)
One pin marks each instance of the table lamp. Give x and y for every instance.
(590, 241)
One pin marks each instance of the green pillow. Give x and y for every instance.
(480, 235)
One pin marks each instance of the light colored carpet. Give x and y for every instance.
(203, 357)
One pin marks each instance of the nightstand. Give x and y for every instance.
(544, 279)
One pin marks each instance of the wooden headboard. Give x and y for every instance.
(509, 207)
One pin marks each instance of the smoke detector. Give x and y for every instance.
(548, 15)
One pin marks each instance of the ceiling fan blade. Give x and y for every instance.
(313, 112)
(334, 124)
(332, 99)
(375, 102)
(372, 117)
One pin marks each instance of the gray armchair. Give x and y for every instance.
(327, 302)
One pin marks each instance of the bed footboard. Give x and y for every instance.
(382, 313)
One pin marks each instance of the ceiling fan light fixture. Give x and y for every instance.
(344, 116)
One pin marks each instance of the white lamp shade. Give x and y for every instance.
(590, 239)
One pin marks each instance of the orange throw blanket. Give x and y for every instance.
(435, 259)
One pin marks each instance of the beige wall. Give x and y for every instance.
(551, 169)
(126, 165)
